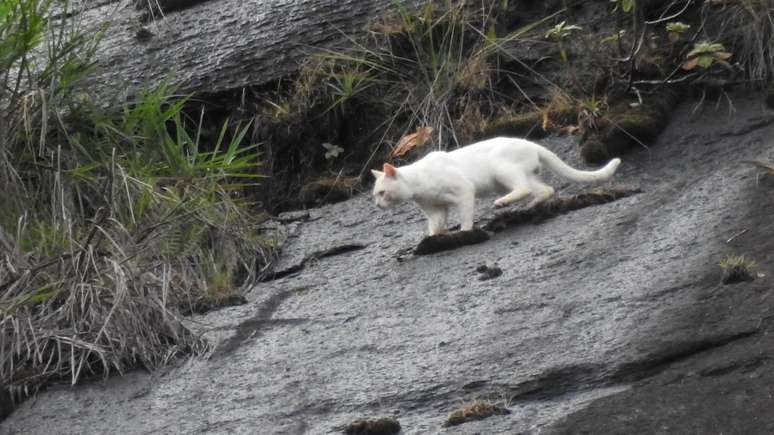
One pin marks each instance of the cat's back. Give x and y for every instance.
(490, 147)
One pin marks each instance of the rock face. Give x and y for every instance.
(212, 46)
(607, 319)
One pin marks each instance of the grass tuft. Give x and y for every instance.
(736, 269)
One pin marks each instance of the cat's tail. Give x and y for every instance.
(556, 164)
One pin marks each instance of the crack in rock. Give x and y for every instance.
(317, 255)
(657, 362)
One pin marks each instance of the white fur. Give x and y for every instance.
(508, 166)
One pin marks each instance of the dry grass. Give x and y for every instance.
(748, 28)
(113, 220)
(476, 410)
(736, 269)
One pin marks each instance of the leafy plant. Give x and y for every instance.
(346, 85)
(704, 54)
(332, 151)
(559, 33)
(675, 29)
(624, 5)
(591, 112)
(562, 31)
(615, 37)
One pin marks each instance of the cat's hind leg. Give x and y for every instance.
(513, 178)
(540, 191)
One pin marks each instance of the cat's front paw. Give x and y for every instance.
(500, 204)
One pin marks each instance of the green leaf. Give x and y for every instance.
(705, 61)
(677, 27)
(705, 47)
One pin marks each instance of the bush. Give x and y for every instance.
(113, 220)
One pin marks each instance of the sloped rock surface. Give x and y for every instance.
(607, 319)
(211, 46)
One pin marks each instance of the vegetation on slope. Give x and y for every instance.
(114, 218)
(118, 216)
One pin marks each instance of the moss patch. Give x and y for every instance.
(526, 125)
(379, 426)
(555, 207)
(530, 125)
(478, 410)
(449, 241)
(624, 127)
(328, 190)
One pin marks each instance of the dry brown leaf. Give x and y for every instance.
(570, 129)
(411, 141)
(546, 121)
(723, 55)
(690, 64)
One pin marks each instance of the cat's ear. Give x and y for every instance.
(390, 170)
(377, 174)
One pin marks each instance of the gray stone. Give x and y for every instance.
(606, 319)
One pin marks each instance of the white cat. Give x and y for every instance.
(442, 180)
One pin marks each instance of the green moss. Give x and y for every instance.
(379, 426)
(624, 128)
(527, 125)
(530, 124)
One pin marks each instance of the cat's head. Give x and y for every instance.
(390, 187)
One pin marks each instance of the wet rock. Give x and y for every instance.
(609, 319)
(249, 42)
